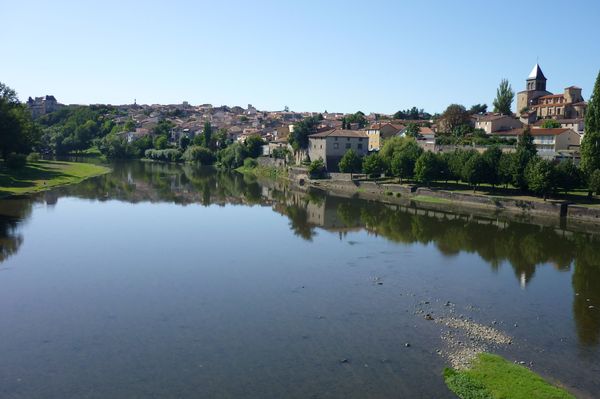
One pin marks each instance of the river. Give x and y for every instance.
(167, 281)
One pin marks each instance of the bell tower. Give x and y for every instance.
(536, 81)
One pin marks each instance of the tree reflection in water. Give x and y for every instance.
(524, 246)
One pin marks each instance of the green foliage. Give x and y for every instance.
(254, 146)
(168, 155)
(161, 142)
(541, 176)
(351, 162)
(184, 142)
(33, 157)
(207, 135)
(233, 156)
(478, 109)
(590, 145)
(568, 176)
(250, 163)
(316, 169)
(550, 124)
(504, 98)
(373, 165)
(474, 170)
(491, 377)
(197, 154)
(505, 168)
(280, 153)
(163, 128)
(412, 130)
(455, 118)
(18, 132)
(413, 113)
(491, 158)
(525, 152)
(426, 167)
(594, 182)
(405, 158)
(357, 118)
(299, 137)
(16, 161)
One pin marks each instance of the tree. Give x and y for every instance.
(404, 160)
(568, 176)
(594, 182)
(373, 165)
(207, 135)
(161, 142)
(351, 162)
(550, 124)
(254, 145)
(316, 169)
(505, 166)
(412, 130)
(504, 98)
(525, 152)
(232, 156)
(453, 117)
(541, 176)
(184, 142)
(474, 170)
(299, 137)
(590, 145)
(357, 118)
(491, 158)
(18, 132)
(200, 155)
(426, 167)
(478, 109)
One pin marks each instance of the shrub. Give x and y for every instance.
(16, 161)
(316, 169)
(33, 157)
(198, 154)
(250, 163)
(168, 155)
(373, 165)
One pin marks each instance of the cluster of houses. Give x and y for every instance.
(334, 137)
(536, 105)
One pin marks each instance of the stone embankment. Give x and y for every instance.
(342, 184)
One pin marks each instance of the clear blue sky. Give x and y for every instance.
(374, 56)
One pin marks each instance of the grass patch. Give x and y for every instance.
(493, 377)
(263, 171)
(431, 200)
(43, 175)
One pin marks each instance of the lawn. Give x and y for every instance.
(42, 175)
(493, 377)
(430, 199)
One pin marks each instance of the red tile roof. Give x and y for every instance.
(339, 133)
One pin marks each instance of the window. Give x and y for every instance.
(359, 146)
(360, 139)
(348, 145)
(336, 146)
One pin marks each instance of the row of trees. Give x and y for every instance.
(18, 133)
(405, 159)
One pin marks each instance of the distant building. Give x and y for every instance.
(550, 143)
(536, 101)
(43, 105)
(491, 123)
(331, 145)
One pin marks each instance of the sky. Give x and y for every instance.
(336, 56)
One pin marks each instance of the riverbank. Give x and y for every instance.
(490, 376)
(43, 175)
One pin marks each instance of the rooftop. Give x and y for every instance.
(339, 133)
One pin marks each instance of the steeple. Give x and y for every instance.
(536, 81)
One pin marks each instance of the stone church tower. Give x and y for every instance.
(535, 88)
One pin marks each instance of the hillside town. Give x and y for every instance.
(556, 122)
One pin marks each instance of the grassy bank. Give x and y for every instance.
(43, 175)
(263, 171)
(492, 377)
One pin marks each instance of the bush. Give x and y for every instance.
(197, 154)
(316, 169)
(250, 163)
(16, 161)
(233, 156)
(33, 157)
(594, 182)
(168, 155)
(373, 165)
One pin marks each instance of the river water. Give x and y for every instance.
(163, 281)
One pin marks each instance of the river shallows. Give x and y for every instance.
(160, 281)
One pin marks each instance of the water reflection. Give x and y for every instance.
(524, 247)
